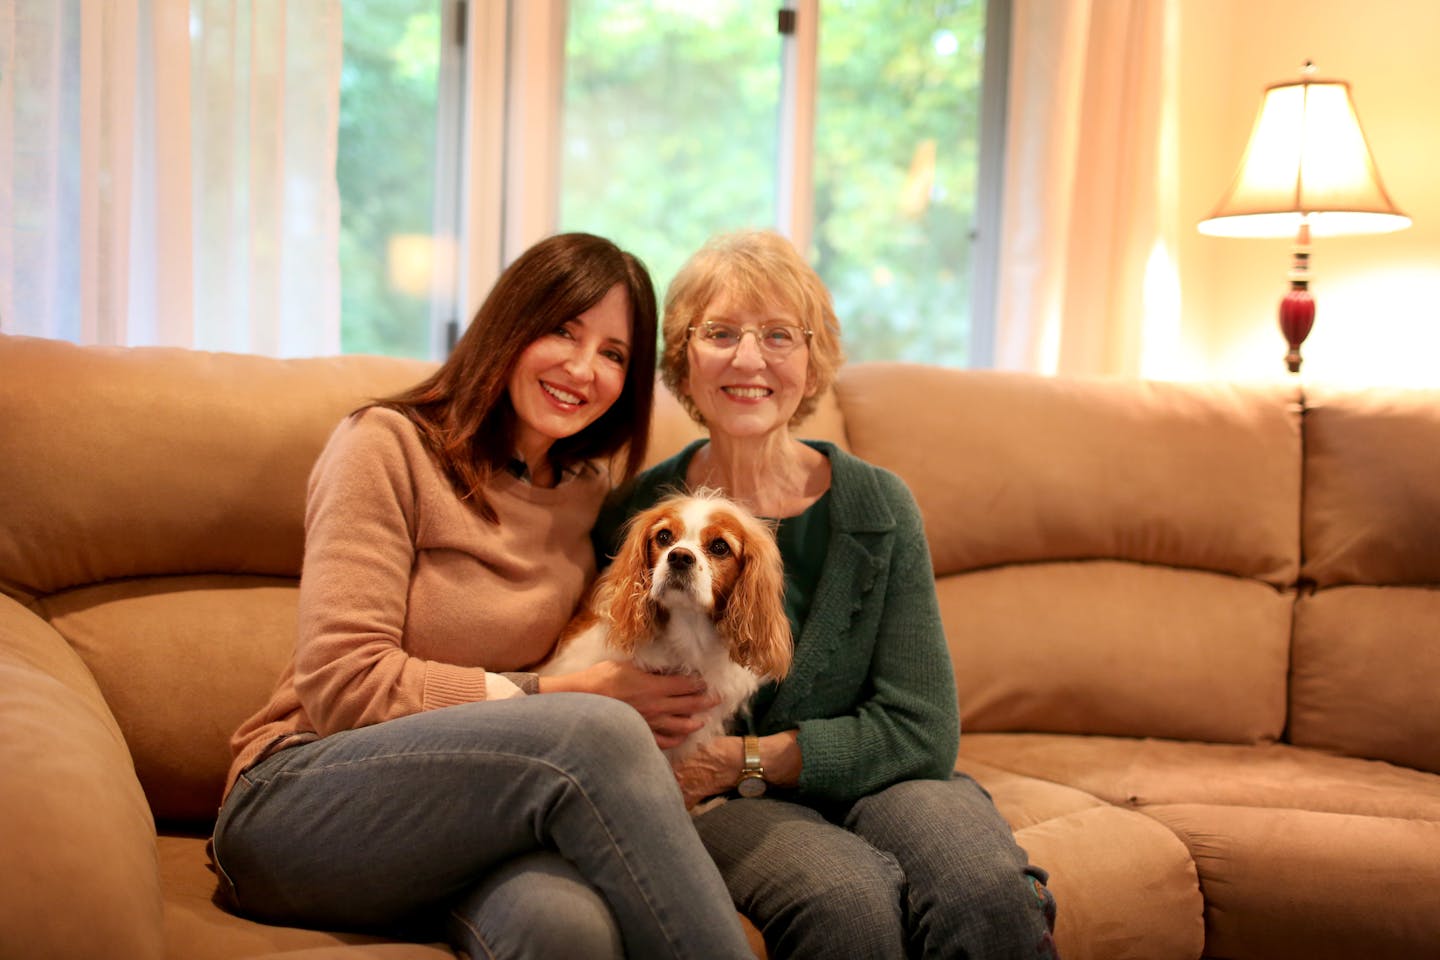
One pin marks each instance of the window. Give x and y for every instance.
(670, 124)
(897, 137)
(398, 194)
(680, 120)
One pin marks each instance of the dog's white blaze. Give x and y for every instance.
(694, 517)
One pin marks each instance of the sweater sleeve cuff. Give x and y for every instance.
(447, 685)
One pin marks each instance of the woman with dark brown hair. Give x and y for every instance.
(407, 765)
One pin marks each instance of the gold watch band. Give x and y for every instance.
(752, 773)
(752, 755)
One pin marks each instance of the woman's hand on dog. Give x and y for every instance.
(668, 702)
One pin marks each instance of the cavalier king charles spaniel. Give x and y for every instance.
(696, 588)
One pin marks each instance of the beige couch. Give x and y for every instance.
(1196, 633)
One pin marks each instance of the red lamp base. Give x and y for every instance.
(1297, 316)
(1297, 310)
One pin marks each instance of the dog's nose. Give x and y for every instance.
(680, 557)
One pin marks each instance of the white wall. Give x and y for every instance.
(1378, 296)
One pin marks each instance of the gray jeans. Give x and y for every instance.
(540, 826)
(926, 868)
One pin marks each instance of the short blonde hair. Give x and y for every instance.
(758, 270)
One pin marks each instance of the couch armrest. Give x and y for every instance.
(81, 875)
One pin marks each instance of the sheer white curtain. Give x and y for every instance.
(1089, 217)
(167, 173)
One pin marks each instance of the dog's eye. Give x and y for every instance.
(664, 538)
(718, 547)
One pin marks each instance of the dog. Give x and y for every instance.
(697, 587)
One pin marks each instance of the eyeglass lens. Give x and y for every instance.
(776, 338)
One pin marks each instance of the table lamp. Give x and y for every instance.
(1306, 170)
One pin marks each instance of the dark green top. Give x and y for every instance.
(871, 689)
(804, 541)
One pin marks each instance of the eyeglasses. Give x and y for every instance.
(774, 339)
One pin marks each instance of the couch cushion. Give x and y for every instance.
(1141, 773)
(78, 841)
(1286, 884)
(1372, 500)
(182, 661)
(131, 462)
(1364, 681)
(1124, 885)
(1300, 854)
(1118, 648)
(1016, 468)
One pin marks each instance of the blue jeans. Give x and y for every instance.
(540, 826)
(925, 868)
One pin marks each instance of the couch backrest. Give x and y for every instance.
(132, 463)
(1112, 557)
(153, 507)
(1365, 665)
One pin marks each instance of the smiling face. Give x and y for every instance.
(566, 380)
(747, 391)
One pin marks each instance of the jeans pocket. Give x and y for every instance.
(226, 895)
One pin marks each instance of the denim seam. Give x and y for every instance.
(475, 932)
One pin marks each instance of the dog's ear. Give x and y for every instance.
(626, 586)
(754, 621)
(632, 614)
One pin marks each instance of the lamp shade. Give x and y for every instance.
(1307, 162)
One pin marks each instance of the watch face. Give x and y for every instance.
(750, 786)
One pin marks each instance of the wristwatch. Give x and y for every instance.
(752, 774)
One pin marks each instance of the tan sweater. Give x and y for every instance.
(408, 597)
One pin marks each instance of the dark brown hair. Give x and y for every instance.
(463, 410)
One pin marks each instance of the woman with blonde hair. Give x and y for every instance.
(847, 833)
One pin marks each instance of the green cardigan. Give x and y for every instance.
(871, 689)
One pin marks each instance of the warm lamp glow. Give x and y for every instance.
(1307, 160)
(1307, 170)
